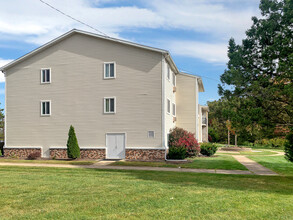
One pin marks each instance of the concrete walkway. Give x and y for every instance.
(103, 167)
(277, 153)
(253, 166)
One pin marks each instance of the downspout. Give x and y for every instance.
(5, 109)
(163, 107)
(196, 111)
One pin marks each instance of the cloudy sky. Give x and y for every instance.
(196, 32)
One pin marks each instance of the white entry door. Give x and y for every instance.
(115, 144)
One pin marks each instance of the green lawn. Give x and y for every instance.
(218, 162)
(250, 153)
(263, 152)
(275, 163)
(72, 162)
(254, 146)
(58, 193)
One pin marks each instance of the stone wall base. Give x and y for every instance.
(20, 152)
(145, 154)
(84, 153)
(61, 153)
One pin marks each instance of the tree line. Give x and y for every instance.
(256, 88)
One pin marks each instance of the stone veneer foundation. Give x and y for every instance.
(145, 154)
(61, 153)
(21, 152)
(90, 153)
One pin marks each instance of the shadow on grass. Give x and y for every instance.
(266, 184)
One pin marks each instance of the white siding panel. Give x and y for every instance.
(186, 96)
(77, 91)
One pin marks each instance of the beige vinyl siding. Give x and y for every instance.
(77, 91)
(186, 96)
(169, 95)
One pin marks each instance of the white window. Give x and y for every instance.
(174, 109)
(168, 106)
(174, 79)
(168, 73)
(45, 75)
(110, 105)
(151, 134)
(46, 108)
(109, 70)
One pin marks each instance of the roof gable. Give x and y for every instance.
(75, 31)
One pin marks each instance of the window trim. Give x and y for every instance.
(110, 77)
(50, 113)
(168, 73)
(42, 75)
(149, 134)
(113, 97)
(173, 108)
(168, 110)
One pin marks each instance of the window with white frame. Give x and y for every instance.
(168, 106)
(174, 79)
(174, 109)
(46, 108)
(109, 70)
(45, 75)
(151, 134)
(168, 73)
(109, 105)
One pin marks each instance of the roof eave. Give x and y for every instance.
(200, 84)
(199, 80)
(67, 34)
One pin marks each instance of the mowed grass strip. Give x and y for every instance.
(72, 162)
(262, 152)
(225, 162)
(58, 193)
(276, 163)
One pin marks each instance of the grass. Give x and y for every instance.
(248, 153)
(77, 162)
(256, 146)
(218, 162)
(263, 152)
(275, 163)
(58, 193)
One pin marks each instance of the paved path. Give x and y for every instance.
(103, 167)
(277, 153)
(253, 166)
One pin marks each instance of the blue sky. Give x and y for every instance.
(196, 32)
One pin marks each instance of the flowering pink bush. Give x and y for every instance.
(179, 137)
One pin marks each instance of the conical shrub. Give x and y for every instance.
(73, 150)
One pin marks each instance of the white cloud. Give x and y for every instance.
(209, 52)
(208, 16)
(2, 63)
(36, 23)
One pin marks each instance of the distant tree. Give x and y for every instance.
(258, 80)
(289, 147)
(217, 128)
(73, 150)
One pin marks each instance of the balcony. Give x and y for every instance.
(204, 121)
